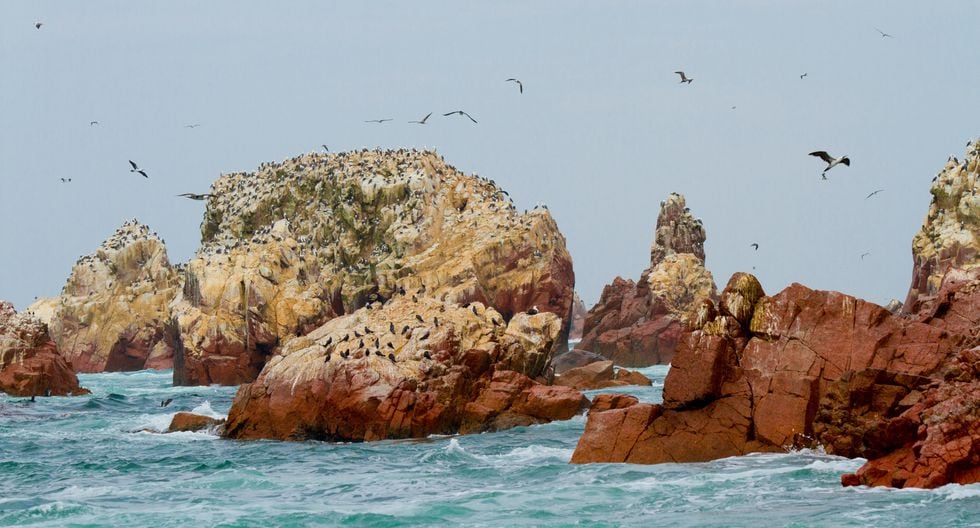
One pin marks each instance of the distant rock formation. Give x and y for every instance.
(579, 311)
(29, 361)
(113, 313)
(807, 368)
(639, 324)
(295, 244)
(405, 369)
(600, 375)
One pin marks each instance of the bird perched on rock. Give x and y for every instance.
(391, 327)
(391, 356)
(426, 354)
(831, 161)
(684, 78)
(419, 318)
(533, 310)
(460, 112)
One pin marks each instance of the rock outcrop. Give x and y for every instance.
(639, 324)
(600, 375)
(949, 239)
(30, 364)
(295, 244)
(113, 313)
(579, 311)
(407, 368)
(190, 422)
(805, 368)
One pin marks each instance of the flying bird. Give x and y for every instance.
(195, 125)
(379, 121)
(864, 255)
(137, 169)
(460, 112)
(831, 161)
(802, 76)
(325, 148)
(166, 402)
(872, 194)
(65, 180)
(193, 196)
(93, 123)
(424, 119)
(684, 78)
(37, 25)
(883, 34)
(520, 85)
(754, 246)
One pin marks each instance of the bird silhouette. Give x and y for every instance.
(195, 125)
(136, 169)
(684, 78)
(802, 76)
(872, 194)
(755, 246)
(379, 121)
(460, 112)
(520, 85)
(424, 119)
(883, 34)
(193, 196)
(831, 161)
(37, 25)
(93, 123)
(864, 255)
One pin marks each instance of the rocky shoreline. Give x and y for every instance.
(384, 294)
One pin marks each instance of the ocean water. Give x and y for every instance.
(89, 461)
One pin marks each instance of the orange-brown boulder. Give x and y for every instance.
(407, 368)
(30, 364)
(185, 421)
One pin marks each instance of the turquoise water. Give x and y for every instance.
(84, 462)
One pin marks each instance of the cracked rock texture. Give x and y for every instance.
(30, 364)
(637, 324)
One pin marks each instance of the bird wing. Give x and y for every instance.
(846, 161)
(468, 115)
(683, 77)
(143, 173)
(520, 86)
(426, 117)
(131, 162)
(822, 154)
(872, 194)
(185, 195)
(450, 113)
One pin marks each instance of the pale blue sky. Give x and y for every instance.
(602, 133)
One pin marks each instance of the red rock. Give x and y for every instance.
(631, 377)
(185, 421)
(480, 377)
(605, 402)
(579, 311)
(592, 376)
(30, 364)
(575, 358)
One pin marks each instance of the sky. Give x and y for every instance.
(602, 133)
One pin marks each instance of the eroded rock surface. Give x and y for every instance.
(113, 313)
(638, 324)
(30, 364)
(407, 368)
(295, 244)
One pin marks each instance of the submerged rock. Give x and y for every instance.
(639, 324)
(113, 313)
(407, 369)
(295, 244)
(30, 364)
(805, 368)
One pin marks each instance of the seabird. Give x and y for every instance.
(883, 34)
(419, 317)
(379, 121)
(327, 357)
(754, 246)
(864, 255)
(424, 119)
(533, 310)
(460, 112)
(193, 196)
(195, 125)
(391, 327)
(684, 78)
(325, 148)
(93, 123)
(136, 169)
(166, 402)
(37, 25)
(391, 356)
(802, 76)
(872, 194)
(831, 161)
(520, 86)
(424, 336)
(426, 355)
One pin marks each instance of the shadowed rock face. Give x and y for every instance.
(113, 313)
(639, 324)
(807, 368)
(407, 369)
(579, 311)
(29, 361)
(295, 244)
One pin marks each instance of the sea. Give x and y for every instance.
(100, 460)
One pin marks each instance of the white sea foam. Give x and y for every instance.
(959, 491)
(529, 455)
(205, 409)
(837, 465)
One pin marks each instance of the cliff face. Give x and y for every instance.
(29, 361)
(949, 238)
(807, 368)
(113, 313)
(293, 245)
(579, 312)
(411, 367)
(639, 324)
